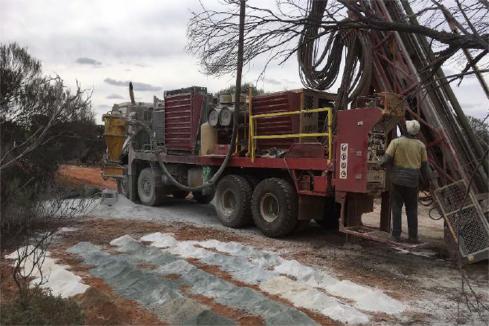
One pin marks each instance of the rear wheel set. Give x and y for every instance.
(233, 196)
(272, 205)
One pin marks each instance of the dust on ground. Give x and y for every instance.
(429, 285)
(434, 282)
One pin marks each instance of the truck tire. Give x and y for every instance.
(180, 194)
(233, 197)
(203, 198)
(274, 207)
(149, 187)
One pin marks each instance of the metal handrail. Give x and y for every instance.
(252, 136)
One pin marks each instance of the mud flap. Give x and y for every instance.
(310, 207)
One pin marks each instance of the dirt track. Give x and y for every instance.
(428, 287)
(196, 270)
(79, 175)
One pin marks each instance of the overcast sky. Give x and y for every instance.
(105, 43)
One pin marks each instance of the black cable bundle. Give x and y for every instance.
(320, 68)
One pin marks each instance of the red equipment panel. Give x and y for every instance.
(351, 148)
(182, 117)
(272, 103)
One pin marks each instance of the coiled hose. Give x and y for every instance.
(320, 68)
(348, 49)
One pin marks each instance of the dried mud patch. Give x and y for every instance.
(358, 261)
(360, 269)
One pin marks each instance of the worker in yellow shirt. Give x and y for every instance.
(408, 158)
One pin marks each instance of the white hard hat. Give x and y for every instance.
(412, 127)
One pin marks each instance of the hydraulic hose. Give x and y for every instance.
(232, 146)
(320, 64)
(168, 174)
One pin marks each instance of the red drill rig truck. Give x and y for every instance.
(285, 158)
(293, 159)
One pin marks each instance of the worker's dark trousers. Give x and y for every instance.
(408, 196)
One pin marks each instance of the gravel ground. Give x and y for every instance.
(176, 264)
(217, 284)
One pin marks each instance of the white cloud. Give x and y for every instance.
(142, 41)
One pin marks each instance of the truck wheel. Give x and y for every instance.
(149, 187)
(201, 198)
(180, 194)
(274, 207)
(233, 196)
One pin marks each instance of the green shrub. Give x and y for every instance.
(40, 307)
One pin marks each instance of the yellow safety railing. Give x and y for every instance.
(252, 136)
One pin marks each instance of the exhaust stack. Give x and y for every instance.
(131, 93)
